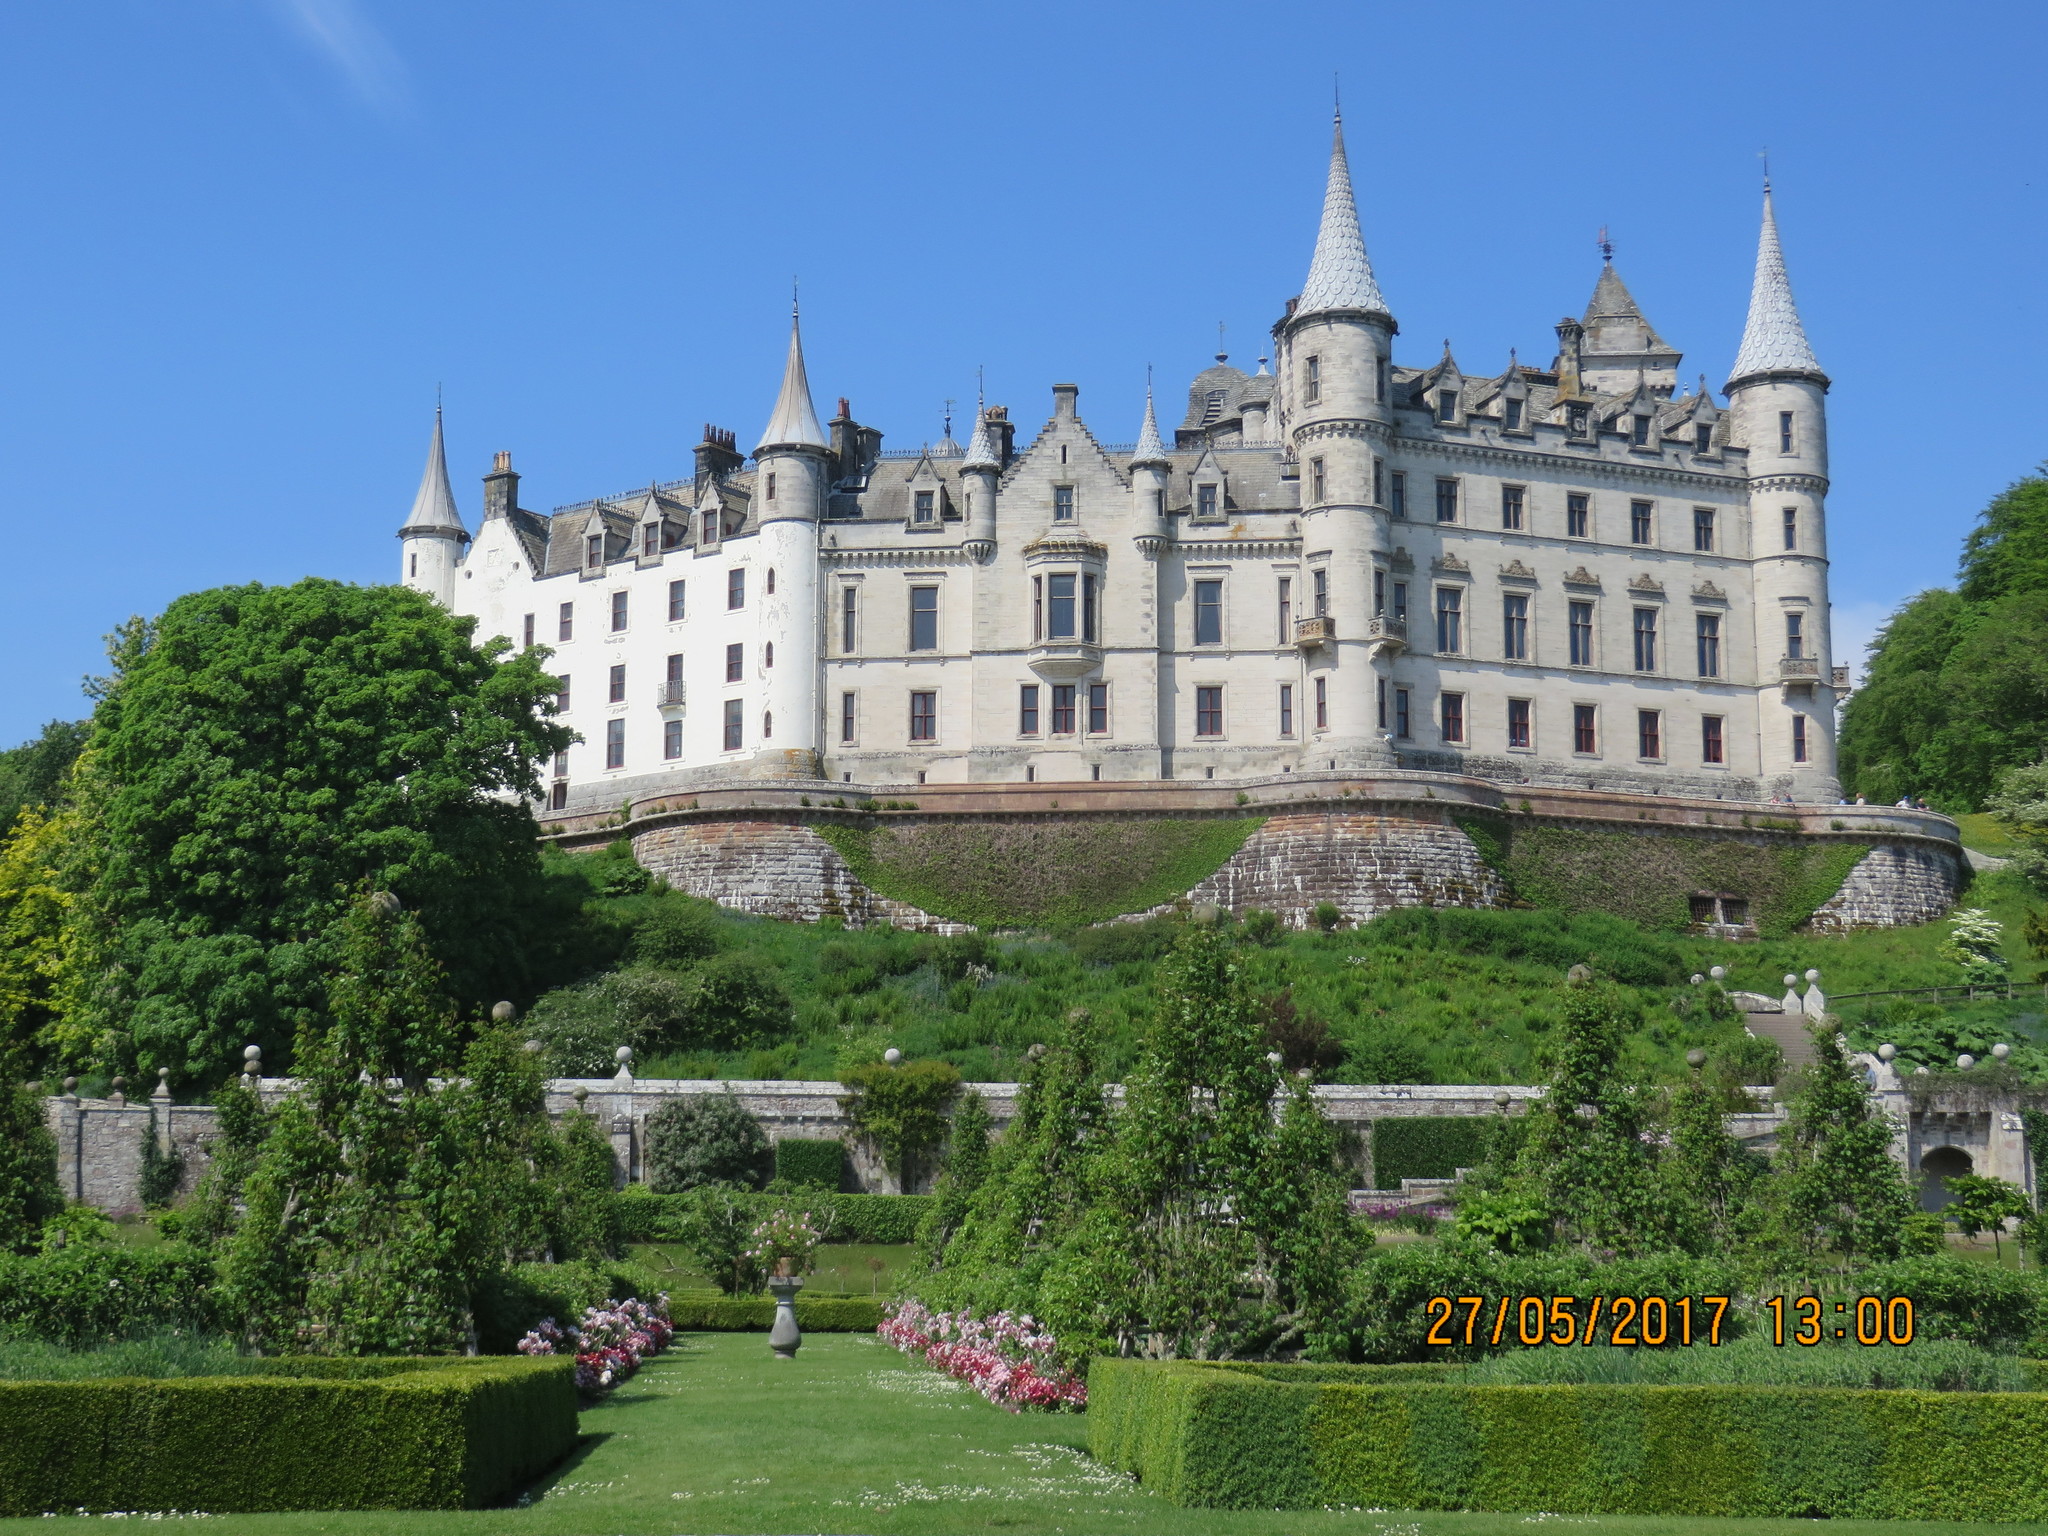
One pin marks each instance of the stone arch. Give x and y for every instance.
(1936, 1164)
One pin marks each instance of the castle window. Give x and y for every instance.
(1322, 686)
(615, 743)
(1452, 717)
(1062, 709)
(1379, 482)
(619, 604)
(1791, 527)
(1710, 739)
(671, 739)
(1286, 586)
(1062, 503)
(528, 630)
(1208, 612)
(1799, 738)
(846, 718)
(1577, 514)
(1518, 723)
(1646, 639)
(1649, 733)
(1585, 738)
(849, 619)
(1575, 421)
(1401, 713)
(415, 564)
(1447, 405)
(616, 691)
(650, 540)
(710, 535)
(1088, 608)
(771, 485)
(736, 588)
(1400, 602)
(593, 551)
(1320, 592)
(1639, 522)
(768, 654)
(1208, 711)
(1158, 503)
(1639, 432)
(1027, 710)
(1319, 483)
(735, 663)
(1784, 431)
(1098, 710)
(1702, 437)
(1450, 614)
(924, 506)
(1379, 379)
(558, 795)
(924, 716)
(562, 694)
(1511, 497)
(1205, 496)
(1311, 380)
(1703, 529)
(562, 763)
(1397, 504)
(676, 610)
(1446, 501)
(1580, 630)
(1063, 446)
(1514, 624)
(768, 726)
(1060, 610)
(1380, 692)
(1379, 593)
(1795, 636)
(1511, 413)
(1287, 709)
(924, 618)
(1037, 608)
(672, 690)
(735, 723)
(1707, 630)
(771, 581)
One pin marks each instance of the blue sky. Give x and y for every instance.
(243, 241)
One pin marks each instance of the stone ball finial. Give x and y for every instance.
(1698, 979)
(386, 903)
(1966, 1061)
(503, 1013)
(1791, 981)
(892, 1055)
(1579, 975)
(623, 1054)
(1718, 972)
(1502, 1099)
(71, 1087)
(2001, 1050)
(163, 1074)
(1813, 975)
(532, 1046)
(1695, 1058)
(579, 1094)
(1887, 1052)
(252, 1053)
(1273, 1058)
(1920, 1072)
(1036, 1053)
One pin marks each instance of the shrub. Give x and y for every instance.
(515, 1299)
(884, 1219)
(1427, 1147)
(902, 1108)
(806, 1163)
(29, 1193)
(374, 1434)
(99, 1291)
(675, 933)
(1121, 943)
(704, 1139)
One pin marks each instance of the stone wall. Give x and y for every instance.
(1893, 886)
(1361, 862)
(100, 1142)
(774, 868)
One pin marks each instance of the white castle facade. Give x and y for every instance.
(1574, 576)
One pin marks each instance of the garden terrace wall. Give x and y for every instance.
(317, 1434)
(1208, 1436)
(1359, 843)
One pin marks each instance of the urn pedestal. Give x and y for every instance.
(785, 1337)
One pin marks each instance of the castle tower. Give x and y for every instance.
(1777, 409)
(431, 542)
(792, 478)
(1150, 470)
(979, 472)
(1335, 349)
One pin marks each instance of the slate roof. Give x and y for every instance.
(1773, 340)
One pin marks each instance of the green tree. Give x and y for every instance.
(32, 775)
(902, 1109)
(1982, 1205)
(29, 1192)
(966, 1170)
(35, 908)
(1836, 1190)
(260, 752)
(705, 1139)
(2020, 803)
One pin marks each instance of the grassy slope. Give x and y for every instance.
(1474, 1016)
(721, 1437)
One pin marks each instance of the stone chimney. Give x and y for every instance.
(501, 488)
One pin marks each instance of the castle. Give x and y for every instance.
(1575, 576)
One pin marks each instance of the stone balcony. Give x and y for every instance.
(1310, 633)
(1798, 671)
(1064, 659)
(1386, 634)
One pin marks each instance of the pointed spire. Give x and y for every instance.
(1150, 449)
(795, 422)
(1340, 275)
(1773, 340)
(981, 448)
(433, 509)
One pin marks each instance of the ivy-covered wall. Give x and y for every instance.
(1059, 873)
(1648, 876)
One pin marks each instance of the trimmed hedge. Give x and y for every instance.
(312, 1434)
(1231, 1439)
(711, 1312)
(96, 1291)
(651, 1218)
(1427, 1147)
(810, 1163)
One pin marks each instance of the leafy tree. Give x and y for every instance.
(966, 1170)
(704, 1139)
(1836, 1189)
(29, 1192)
(34, 911)
(719, 1229)
(676, 933)
(32, 775)
(1975, 944)
(259, 753)
(2020, 804)
(734, 1001)
(1982, 1204)
(902, 1109)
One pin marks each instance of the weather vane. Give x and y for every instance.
(949, 416)
(1606, 245)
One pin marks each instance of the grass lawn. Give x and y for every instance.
(719, 1437)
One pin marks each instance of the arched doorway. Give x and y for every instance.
(1936, 1164)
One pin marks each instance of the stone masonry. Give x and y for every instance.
(774, 869)
(1892, 887)
(1361, 863)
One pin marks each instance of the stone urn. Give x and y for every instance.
(785, 1337)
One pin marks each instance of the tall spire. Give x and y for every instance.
(1150, 449)
(1340, 275)
(433, 509)
(981, 449)
(1773, 340)
(794, 423)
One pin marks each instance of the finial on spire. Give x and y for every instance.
(1764, 155)
(1606, 245)
(1340, 274)
(949, 419)
(1221, 355)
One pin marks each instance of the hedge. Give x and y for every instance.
(94, 1291)
(315, 1434)
(513, 1300)
(1216, 1438)
(711, 1312)
(809, 1163)
(651, 1218)
(1427, 1147)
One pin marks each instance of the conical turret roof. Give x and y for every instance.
(981, 449)
(433, 509)
(1773, 340)
(1340, 274)
(795, 421)
(1150, 449)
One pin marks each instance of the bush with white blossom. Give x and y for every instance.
(609, 1342)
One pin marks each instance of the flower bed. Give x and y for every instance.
(609, 1343)
(1008, 1358)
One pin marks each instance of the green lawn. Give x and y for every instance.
(719, 1437)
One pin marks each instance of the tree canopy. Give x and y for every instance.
(32, 775)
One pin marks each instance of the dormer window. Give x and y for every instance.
(924, 510)
(1703, 437)
(593, 551)
(1063, 503)
(1575, 421)
(710, 528)
(650, 540)
(1639, 434)
(1511, 413)
(1205, 496)
(1447, 405)
(1311, 381)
